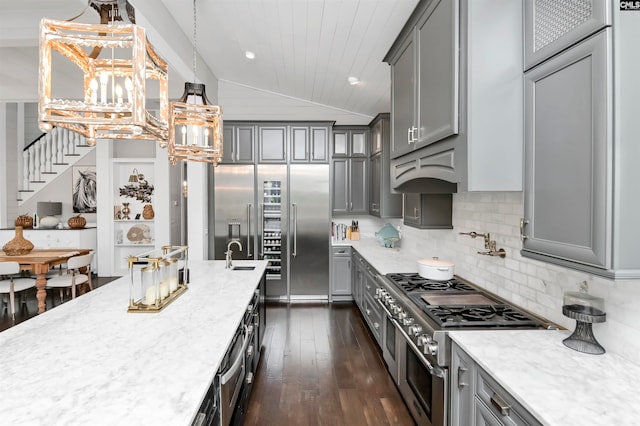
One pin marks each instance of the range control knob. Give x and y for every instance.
(423, 340)
(431, 348)
(415, 330)
(397, 309)
(407, 321)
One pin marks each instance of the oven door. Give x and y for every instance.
(232, 375)
(422, 385)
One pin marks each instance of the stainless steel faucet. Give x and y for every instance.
(229, 252)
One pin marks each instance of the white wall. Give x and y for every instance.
(531, 284)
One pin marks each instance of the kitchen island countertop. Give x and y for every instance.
(559, 386)
(89, 362)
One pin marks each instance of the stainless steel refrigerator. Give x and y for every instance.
(285, 220)
(234, 217)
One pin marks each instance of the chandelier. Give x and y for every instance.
(195, 126)
(116, 67)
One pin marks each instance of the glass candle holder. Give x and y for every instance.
(163, 275)
(150, 286)
(173, 274)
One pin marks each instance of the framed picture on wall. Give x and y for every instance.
(83, 179)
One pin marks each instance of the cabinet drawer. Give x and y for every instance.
(501, 403)
(373, 315)
(341, 251)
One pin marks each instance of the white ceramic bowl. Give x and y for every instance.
(435, 269)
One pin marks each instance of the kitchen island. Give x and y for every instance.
(89, 362)
(557, 385)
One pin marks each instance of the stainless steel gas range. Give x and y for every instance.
(418, 314)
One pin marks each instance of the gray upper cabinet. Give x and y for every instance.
(428, 211)
(551, 26)
(457, 98)
(382, 203)
(238, 143)
(272, 143)
(310, 144)
(350, 141)
(425, 109)
(581, 154)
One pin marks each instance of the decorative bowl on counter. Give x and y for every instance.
(388, 236)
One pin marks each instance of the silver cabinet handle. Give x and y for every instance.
(500, 404)
(523, 222)
(461, 371)
(294, 207)
(249, 378)
(261, 227)
(249, 254)
(409, 138)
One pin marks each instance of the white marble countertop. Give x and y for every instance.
(559, 386)
(89, 362)
(384, 259)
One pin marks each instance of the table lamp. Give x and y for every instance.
(48, 211)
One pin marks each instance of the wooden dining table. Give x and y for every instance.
(39, 262)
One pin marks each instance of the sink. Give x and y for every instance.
(243, 268)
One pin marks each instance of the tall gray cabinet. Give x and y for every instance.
(350, 190)
(382, 203)
(581, 150)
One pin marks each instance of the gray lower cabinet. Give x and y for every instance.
(478, 400)
(357, 279)
(238, 142)
(428, 211)
(341, 273)
(349, 186)
(382, 203)
(364, 294)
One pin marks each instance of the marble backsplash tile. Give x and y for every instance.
(531, 284)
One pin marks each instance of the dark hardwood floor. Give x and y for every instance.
(29, 309)
(320, 366)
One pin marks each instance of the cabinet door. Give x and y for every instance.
(438, 76)
(358, 188)
(462, 387)
(566, 138)
(341, 276)
(376, 137)
(551, 26)
(374, 182)
(340, 143)
(340, 185)
(299, 144)
(228, 134)
(412, 209)
(244, 143)
(403, 99)
(319, 144)
(358, 142)
(272, 144)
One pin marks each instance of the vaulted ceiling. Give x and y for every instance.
(304, 52)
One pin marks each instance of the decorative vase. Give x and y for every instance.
(76, 222)
(125, 211)
(19, 245)
(147, 212)
(25, 221)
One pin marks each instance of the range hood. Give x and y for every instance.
(423, 172)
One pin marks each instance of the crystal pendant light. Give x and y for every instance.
(116, 67)
(195, 126)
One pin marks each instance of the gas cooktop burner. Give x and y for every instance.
(484, 315)
(413, 282)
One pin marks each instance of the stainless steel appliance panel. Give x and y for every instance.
(309, 220)
(273, 200)
(235, 215)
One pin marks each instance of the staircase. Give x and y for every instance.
(47, 157)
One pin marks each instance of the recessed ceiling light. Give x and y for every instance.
(249, 55)
(353, 80)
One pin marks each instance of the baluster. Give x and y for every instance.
(47, 145)
(25, 169)
(74, 140)
(58, 142)
(31, 163)
(43, 158)
(65, 139)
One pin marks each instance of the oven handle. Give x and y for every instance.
(224, 379)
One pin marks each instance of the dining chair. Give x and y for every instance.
(74, 276)
(9, 284)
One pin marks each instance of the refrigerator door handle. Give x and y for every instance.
(294, 207)
(249, 254)
(261, 228)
